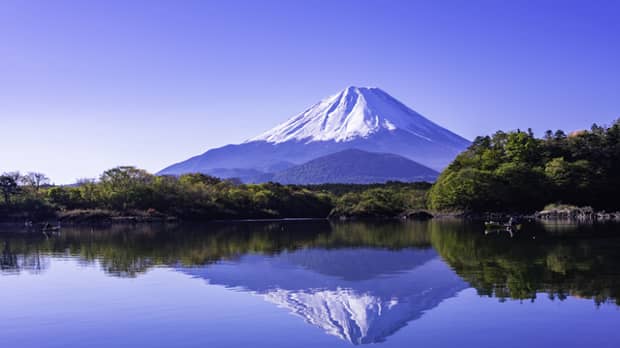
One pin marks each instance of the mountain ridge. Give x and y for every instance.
(353, 166)
(367, 119)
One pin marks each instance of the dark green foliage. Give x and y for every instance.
(340, 189)
(25, 200)
(8, 186)
(128, 191)
(577, 262)
(386, 201)
(519, 173)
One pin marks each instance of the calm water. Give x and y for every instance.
(311, 284)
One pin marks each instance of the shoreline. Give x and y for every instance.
(561, 213)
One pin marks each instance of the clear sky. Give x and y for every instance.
(88, 85)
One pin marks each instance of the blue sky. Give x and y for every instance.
(88, 85)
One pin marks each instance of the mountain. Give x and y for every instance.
(363, 118)
(356, 113)
(356, 167)
(361, 296)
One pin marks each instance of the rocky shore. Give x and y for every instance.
(576, 214)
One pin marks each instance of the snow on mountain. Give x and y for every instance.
(358, 295)
(367, 119)
(342, 312)
(355, 112)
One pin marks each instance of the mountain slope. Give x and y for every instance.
(356, 167)
(357, 113)
(364, 118)
(388, 290)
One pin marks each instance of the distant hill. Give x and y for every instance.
(245, 175)
(356, 167)
(355, 118)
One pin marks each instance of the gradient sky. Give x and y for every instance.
(88, 85)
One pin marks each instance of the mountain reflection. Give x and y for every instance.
(358, 281)
(360, 295)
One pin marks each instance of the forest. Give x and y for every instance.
(510, 172)
(129, 191)
(517, 172)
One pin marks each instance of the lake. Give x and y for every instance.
(311, 284)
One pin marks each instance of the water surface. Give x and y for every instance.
(428, 284)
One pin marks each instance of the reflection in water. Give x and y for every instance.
(357, 281)
(359, 295)
(582, 261)
(11, 262)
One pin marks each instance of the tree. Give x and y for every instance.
(196, 178)
(90, 192)
(522, 173)
(127, 188)
(557, 170)
(8, 186)
(59, 196)
(522, 147)
(522, 188)
(467, 190)
(35, 180)
(125, 176)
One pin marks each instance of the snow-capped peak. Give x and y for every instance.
(355, 112)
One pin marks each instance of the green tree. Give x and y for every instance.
(468, 189)
(35, 180)
(9, 186)
(522, 173)
(127, 188)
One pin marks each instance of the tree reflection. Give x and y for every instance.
(582, 264)
(14, 262)
(581, 261)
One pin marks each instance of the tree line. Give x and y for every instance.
(127, 191)
(578, 263)
(505, 172)
(517, 172)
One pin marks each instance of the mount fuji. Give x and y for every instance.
(361, 296)
(360, 118)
